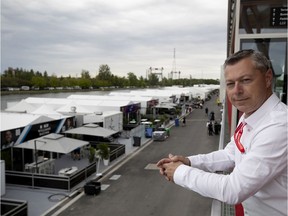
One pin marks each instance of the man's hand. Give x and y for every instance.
(167, 166)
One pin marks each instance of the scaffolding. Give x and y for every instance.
(156, 71)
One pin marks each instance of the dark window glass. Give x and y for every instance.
(276, 50)
(263, 16)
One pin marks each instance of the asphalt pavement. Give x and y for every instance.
(135, 187)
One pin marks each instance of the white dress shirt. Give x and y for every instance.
(258, 177)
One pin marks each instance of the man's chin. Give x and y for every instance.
(240, 107)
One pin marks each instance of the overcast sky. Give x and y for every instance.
(64, 37)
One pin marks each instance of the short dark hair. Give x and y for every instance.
(260, 61)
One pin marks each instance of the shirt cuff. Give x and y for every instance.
(179, 173)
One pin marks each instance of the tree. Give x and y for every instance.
(84, 83)
(153, 79)
(85, 74)
(104, 73)
(119, 82)
(142, 82)
(54, 81)
(38, 81)
(132, 78)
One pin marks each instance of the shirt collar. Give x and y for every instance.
(266, 107)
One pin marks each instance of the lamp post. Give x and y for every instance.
(98, 159)
(36, 153)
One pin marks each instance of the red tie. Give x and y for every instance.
(237, 136)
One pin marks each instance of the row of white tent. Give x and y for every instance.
(38, 109)
(35, 110)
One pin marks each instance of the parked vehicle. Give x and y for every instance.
(160, 134)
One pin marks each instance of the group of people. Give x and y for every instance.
(255, 157)
(213, 127)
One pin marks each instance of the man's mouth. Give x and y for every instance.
(240, 99)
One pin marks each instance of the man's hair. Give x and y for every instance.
(260, 61)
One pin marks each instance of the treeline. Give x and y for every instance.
(17, 77)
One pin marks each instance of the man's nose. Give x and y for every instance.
(238, 88)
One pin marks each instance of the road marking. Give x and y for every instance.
(104, 186)
(151, 167)
(115, 177)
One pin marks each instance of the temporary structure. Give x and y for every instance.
(53, 143)
(92, 130)
(17, 120)
(21, 107)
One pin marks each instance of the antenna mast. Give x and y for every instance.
(174, 66)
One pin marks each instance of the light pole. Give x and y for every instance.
(36, 153)
(98, 159)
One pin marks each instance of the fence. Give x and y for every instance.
(37, 180)
(13, 207)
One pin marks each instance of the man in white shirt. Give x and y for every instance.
(256, 155)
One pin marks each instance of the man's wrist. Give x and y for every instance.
(189, 162)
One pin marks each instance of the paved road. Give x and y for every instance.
(143, 192)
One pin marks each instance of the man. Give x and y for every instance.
(256, 155)
(8, 142)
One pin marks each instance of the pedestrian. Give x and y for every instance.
(218, 101)
(256, 155)
(184, 121)
(212, 116)
(210, 128)
(217, 128)
(206, 111)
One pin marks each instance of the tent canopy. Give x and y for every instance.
(22, 106)
(17, 120)
(53, 143)
(92, 130)
(165, 106)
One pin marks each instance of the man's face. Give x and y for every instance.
(8, 136)
(246, 87)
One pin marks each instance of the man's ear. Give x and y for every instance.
(269, 78)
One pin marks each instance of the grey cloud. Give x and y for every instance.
(52, 36)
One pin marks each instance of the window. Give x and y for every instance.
(276, 50)
(263, 16)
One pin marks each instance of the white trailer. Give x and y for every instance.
(112, 120)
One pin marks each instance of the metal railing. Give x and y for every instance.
(37, 180)
(11, 207)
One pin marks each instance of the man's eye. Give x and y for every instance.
(245, 81)
(229, 85)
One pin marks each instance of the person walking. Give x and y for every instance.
(256, 155)
(212, 116)
(210, 128)
(184, 121)
(206, 111)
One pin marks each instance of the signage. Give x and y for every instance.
(278, 17)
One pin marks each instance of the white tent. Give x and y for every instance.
(92, 130)
(21, 107)
(166, 106)
(73, 107)
(17, 120)
(47, 111)
(53, 143)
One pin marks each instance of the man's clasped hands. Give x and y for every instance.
(167, 166)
